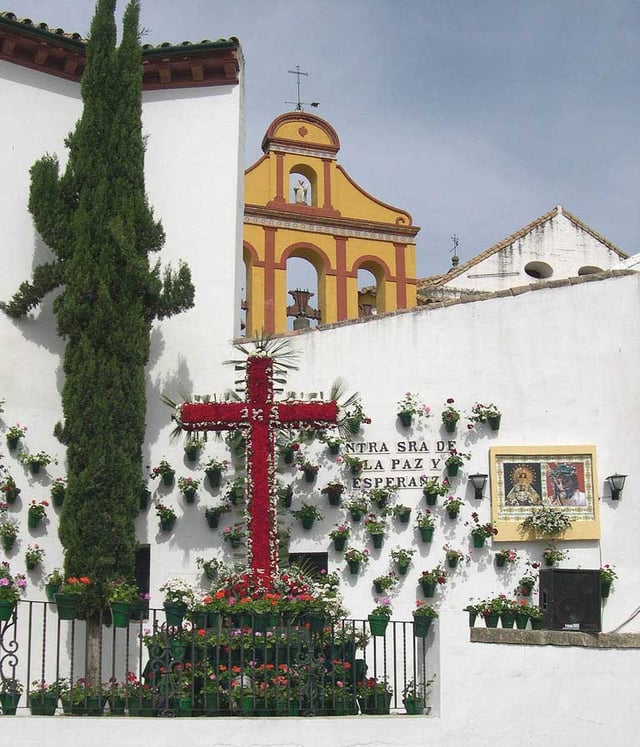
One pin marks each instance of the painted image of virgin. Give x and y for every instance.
(523, 484)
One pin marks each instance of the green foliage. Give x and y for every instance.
(100, 228)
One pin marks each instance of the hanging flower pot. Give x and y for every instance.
(214, 475)
(378, 540)
(500, 561)
(428, 588)
(404, 516)
(12, 442)
(355, 514)
(51, 590)
(473, 614)
(354, 567)
(494, 421)
(339, 543)
(310, 473)
(8, 542)
(189, 496)
(67, 605)
(453, 562)
(9, 702)
(453, 513)
(213, 519)
(378, 624)
(405, 418)
(167, 523)
(167, 478)
(334, 449)
(421, 626)
(507, 619)
(403, 568)
(450, 425)
(491, 621)
(11, 494)
(605, 589)
(426, 533)
(478, 540)
(6, 609)
(174, 613)
(121, 613)
(287, 455)
(307, 521)
(452, 469)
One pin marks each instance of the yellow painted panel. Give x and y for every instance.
(352, 202)
(289, 131)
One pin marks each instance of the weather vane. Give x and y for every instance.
(454, 258)
(299, 104)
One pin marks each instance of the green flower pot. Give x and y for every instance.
(214, 476)
(426, 533)
(9, 702)
(421, 626)
(67, 605)
(405, 418)
(378, 624)
(428, 588)
(121, 613)
(6, 609)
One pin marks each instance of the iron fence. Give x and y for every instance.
(210, 665)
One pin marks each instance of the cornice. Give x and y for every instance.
(63, 55)
(350, 228)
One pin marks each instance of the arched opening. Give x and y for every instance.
(303, 303)
(538, 270)
(367, 293)
(590, 270)
(371, 289)
(303, 185)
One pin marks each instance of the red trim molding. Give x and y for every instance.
(401, 277)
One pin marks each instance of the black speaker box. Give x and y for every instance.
(570, 599)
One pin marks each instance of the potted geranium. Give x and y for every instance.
(214, 469)
(69, 595)
(210, 567)
(285, 495)
(35, 461)
(11, 586)
(379, 616)
(552, 555)
(179, 595)
(188, 486)
(409, 407)
(357, 506)
(36, 513)
(8, 531)
(528, 579)
(233, 535)
(356, 558)
(14, 434)
(340, 535)
(333, 491)
(121, 595)
(308, 469)
(193, 447)
(607, 577)
(402, 513)
(506, 556)
(333, 443)
(432, 488)
(454, 461)
(450, 415)
(287, 450)
(375, 527)
(547, 521)
(355, 464)
(381, 497)
(425, 523)
(374, 696)
(9, 490)
(453, 556)
(401, 556)
(489, 414)
(453, 506)
(481, 532)
(164, 471)
(167, 517)
(414, 697)
(53, 582)
(10, 693)
(428, 580)
(33, 556)
(385, 582)
(58, 489)
(307, 514)
(423, 615)
(212, 514)
(43, 698)
(236, 490)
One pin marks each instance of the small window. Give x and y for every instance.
(313, 563)
(143, 568)
(538, 270)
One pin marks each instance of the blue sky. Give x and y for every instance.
(477, 116)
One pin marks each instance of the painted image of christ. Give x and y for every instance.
(565, 484)
(522, 484)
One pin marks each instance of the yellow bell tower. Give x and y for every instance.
(299, 202)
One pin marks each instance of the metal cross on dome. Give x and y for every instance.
(260, 417)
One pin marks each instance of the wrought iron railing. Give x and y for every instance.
(208, 665)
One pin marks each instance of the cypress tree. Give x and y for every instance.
(95, 218)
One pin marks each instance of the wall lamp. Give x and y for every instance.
(478, 481)
(616, 484)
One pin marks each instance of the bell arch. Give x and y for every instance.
(303, 185)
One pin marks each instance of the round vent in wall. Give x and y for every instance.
(590, 270)
(538, 270)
